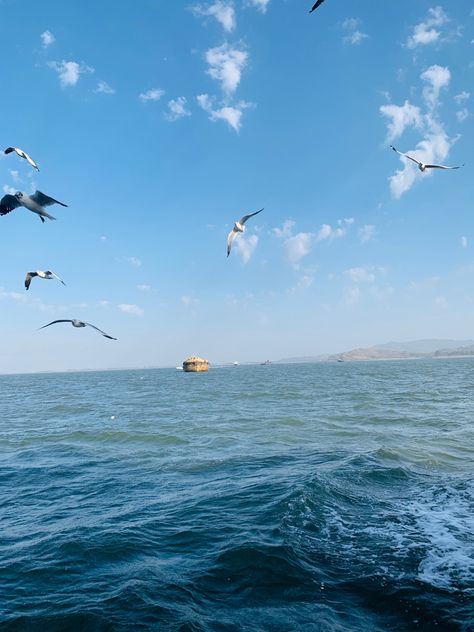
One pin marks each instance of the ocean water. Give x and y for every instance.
(314, 497)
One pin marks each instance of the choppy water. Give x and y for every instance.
(326, 497)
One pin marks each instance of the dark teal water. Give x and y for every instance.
(325, 497)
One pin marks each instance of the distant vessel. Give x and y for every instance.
(195, 364)
(235, 363)
(265, 363)
(178, 368)
(340, 360)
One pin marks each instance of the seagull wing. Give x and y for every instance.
(230, 239)
(56, 277)
(29, 276)
(30, 160)
(56, 321)
(406, 155)
(316, 5)
(8, 203)
(442, 167)
(9, 150)
(246, 217)
(44, 200)
(102, 332)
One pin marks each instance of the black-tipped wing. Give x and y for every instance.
(44, 200)
(53, 322)
(8, 203)
(246, 217)
(102, 332)
(316, 5)
(232, 235)
(29, 276)
(9, 150)
(406, 155)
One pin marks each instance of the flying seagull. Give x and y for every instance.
(42, 274)
(35, 203)
(316, 5)
(239, 228)
(421, 165)
(22, 154)
(79, 323)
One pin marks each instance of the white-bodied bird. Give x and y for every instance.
(421, 165)
(239, 228)
(22, 154)
(42, 274)
(34, 203)
(79, 324)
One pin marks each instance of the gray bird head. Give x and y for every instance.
(18, 195)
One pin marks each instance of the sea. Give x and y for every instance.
(316, 497)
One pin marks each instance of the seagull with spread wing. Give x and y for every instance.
(239, 228)
(316, 5)
(22, 154)
(34, 203)
(79, 324)
(42, 274)
(421, 165)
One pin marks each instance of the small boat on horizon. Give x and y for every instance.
(235, 363)
(265, 363)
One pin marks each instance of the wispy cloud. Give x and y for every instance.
(154, 94)
(245, 246)
(144, 287)
(69, 72)
(177, 109)
(127, 308)
(47, 38)
(428, 31)
(401, 117)
(366, 233)
(232, 115)
(225, 65)
(354, 35)
(360, 275)
(104, 88)
(223, 11)
(134, 261)
(436, 77)
(261, 5)
(464, 241)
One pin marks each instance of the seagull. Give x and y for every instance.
(42, 274)
(22, 154)
(316, 5)
(35, 203)
(239, 228)
(79, 323)
(421, 165)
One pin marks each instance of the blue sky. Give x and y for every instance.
(162, 123)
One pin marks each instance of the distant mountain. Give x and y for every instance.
(424, 346)
(397, 351)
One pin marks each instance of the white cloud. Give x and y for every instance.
(305, 282)
(232, 115)
(154, 94)
(226, 65)
(131, 309)
(8, 190)
(286, 230)
(402, 116)
(462, 97)
(425, 32)
(261, 5)
(441, 301)
(69, 72)
(188, 301)
(360, 275)
(366, 233)
(47, 38)
(223, 12)
(246, 246)
(437, 77)
(462, 115)
(354, 36)
(144, 287)
(177, 109)
(134, 261)
(104, 88)
(298, 246)
(14, 175)
(103, 238)
(464, 241)
(353, 295)
(328, 232)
